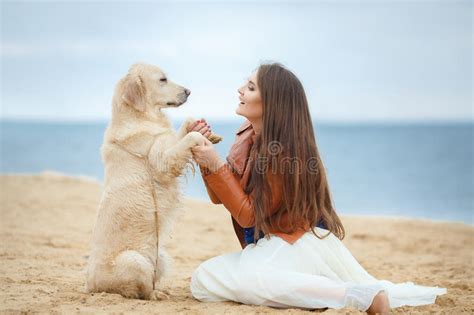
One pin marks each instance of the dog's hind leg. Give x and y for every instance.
(134, 276)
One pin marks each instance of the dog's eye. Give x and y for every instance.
(164, 80)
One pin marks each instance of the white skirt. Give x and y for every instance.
(312, 273)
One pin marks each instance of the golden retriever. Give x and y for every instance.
(143, 157)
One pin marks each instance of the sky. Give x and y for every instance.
(357, 60)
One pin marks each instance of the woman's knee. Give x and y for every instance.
(201, 278)
(196, 287)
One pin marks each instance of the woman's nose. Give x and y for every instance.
(238, 91)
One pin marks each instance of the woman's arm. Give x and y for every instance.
(239, 231)
(204, 172)
(226, 185)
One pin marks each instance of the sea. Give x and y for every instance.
(410, 169)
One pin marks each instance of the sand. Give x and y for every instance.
(46, 224)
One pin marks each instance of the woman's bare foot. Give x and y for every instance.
(380, 305)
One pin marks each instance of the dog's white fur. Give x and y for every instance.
(141, 153)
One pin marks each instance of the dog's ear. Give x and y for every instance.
(134, 92)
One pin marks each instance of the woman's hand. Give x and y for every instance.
(200, 126)
(205, 155)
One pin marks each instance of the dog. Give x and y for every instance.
(143, 157)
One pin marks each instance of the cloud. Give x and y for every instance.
(220, 44)
(371, 61)
(86, 47)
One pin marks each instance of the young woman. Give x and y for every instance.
(274, 184)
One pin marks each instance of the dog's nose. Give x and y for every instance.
(187, 92)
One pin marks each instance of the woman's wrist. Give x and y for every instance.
(215, 166)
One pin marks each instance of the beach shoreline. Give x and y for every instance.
(90, 178)
(47, 220)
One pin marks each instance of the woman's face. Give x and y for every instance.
(250, 105)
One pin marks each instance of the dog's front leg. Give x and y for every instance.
(171, 162)
(183, 130)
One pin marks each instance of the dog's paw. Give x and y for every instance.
(188, 122)
(159, 295)
(197, 138)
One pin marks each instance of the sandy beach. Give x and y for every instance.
(47, 220)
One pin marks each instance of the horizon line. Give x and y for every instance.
(63, 120)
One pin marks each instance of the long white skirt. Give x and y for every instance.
(312, 273)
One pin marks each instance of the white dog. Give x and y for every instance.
(143, 158)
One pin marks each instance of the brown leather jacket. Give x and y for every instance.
(226, 186)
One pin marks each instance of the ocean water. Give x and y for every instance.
(412, 170)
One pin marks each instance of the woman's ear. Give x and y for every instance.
(134, 92)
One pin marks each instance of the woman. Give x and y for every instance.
(274, 184)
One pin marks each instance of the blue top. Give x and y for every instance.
(248, 233)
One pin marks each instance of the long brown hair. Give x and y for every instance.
(287, 135)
